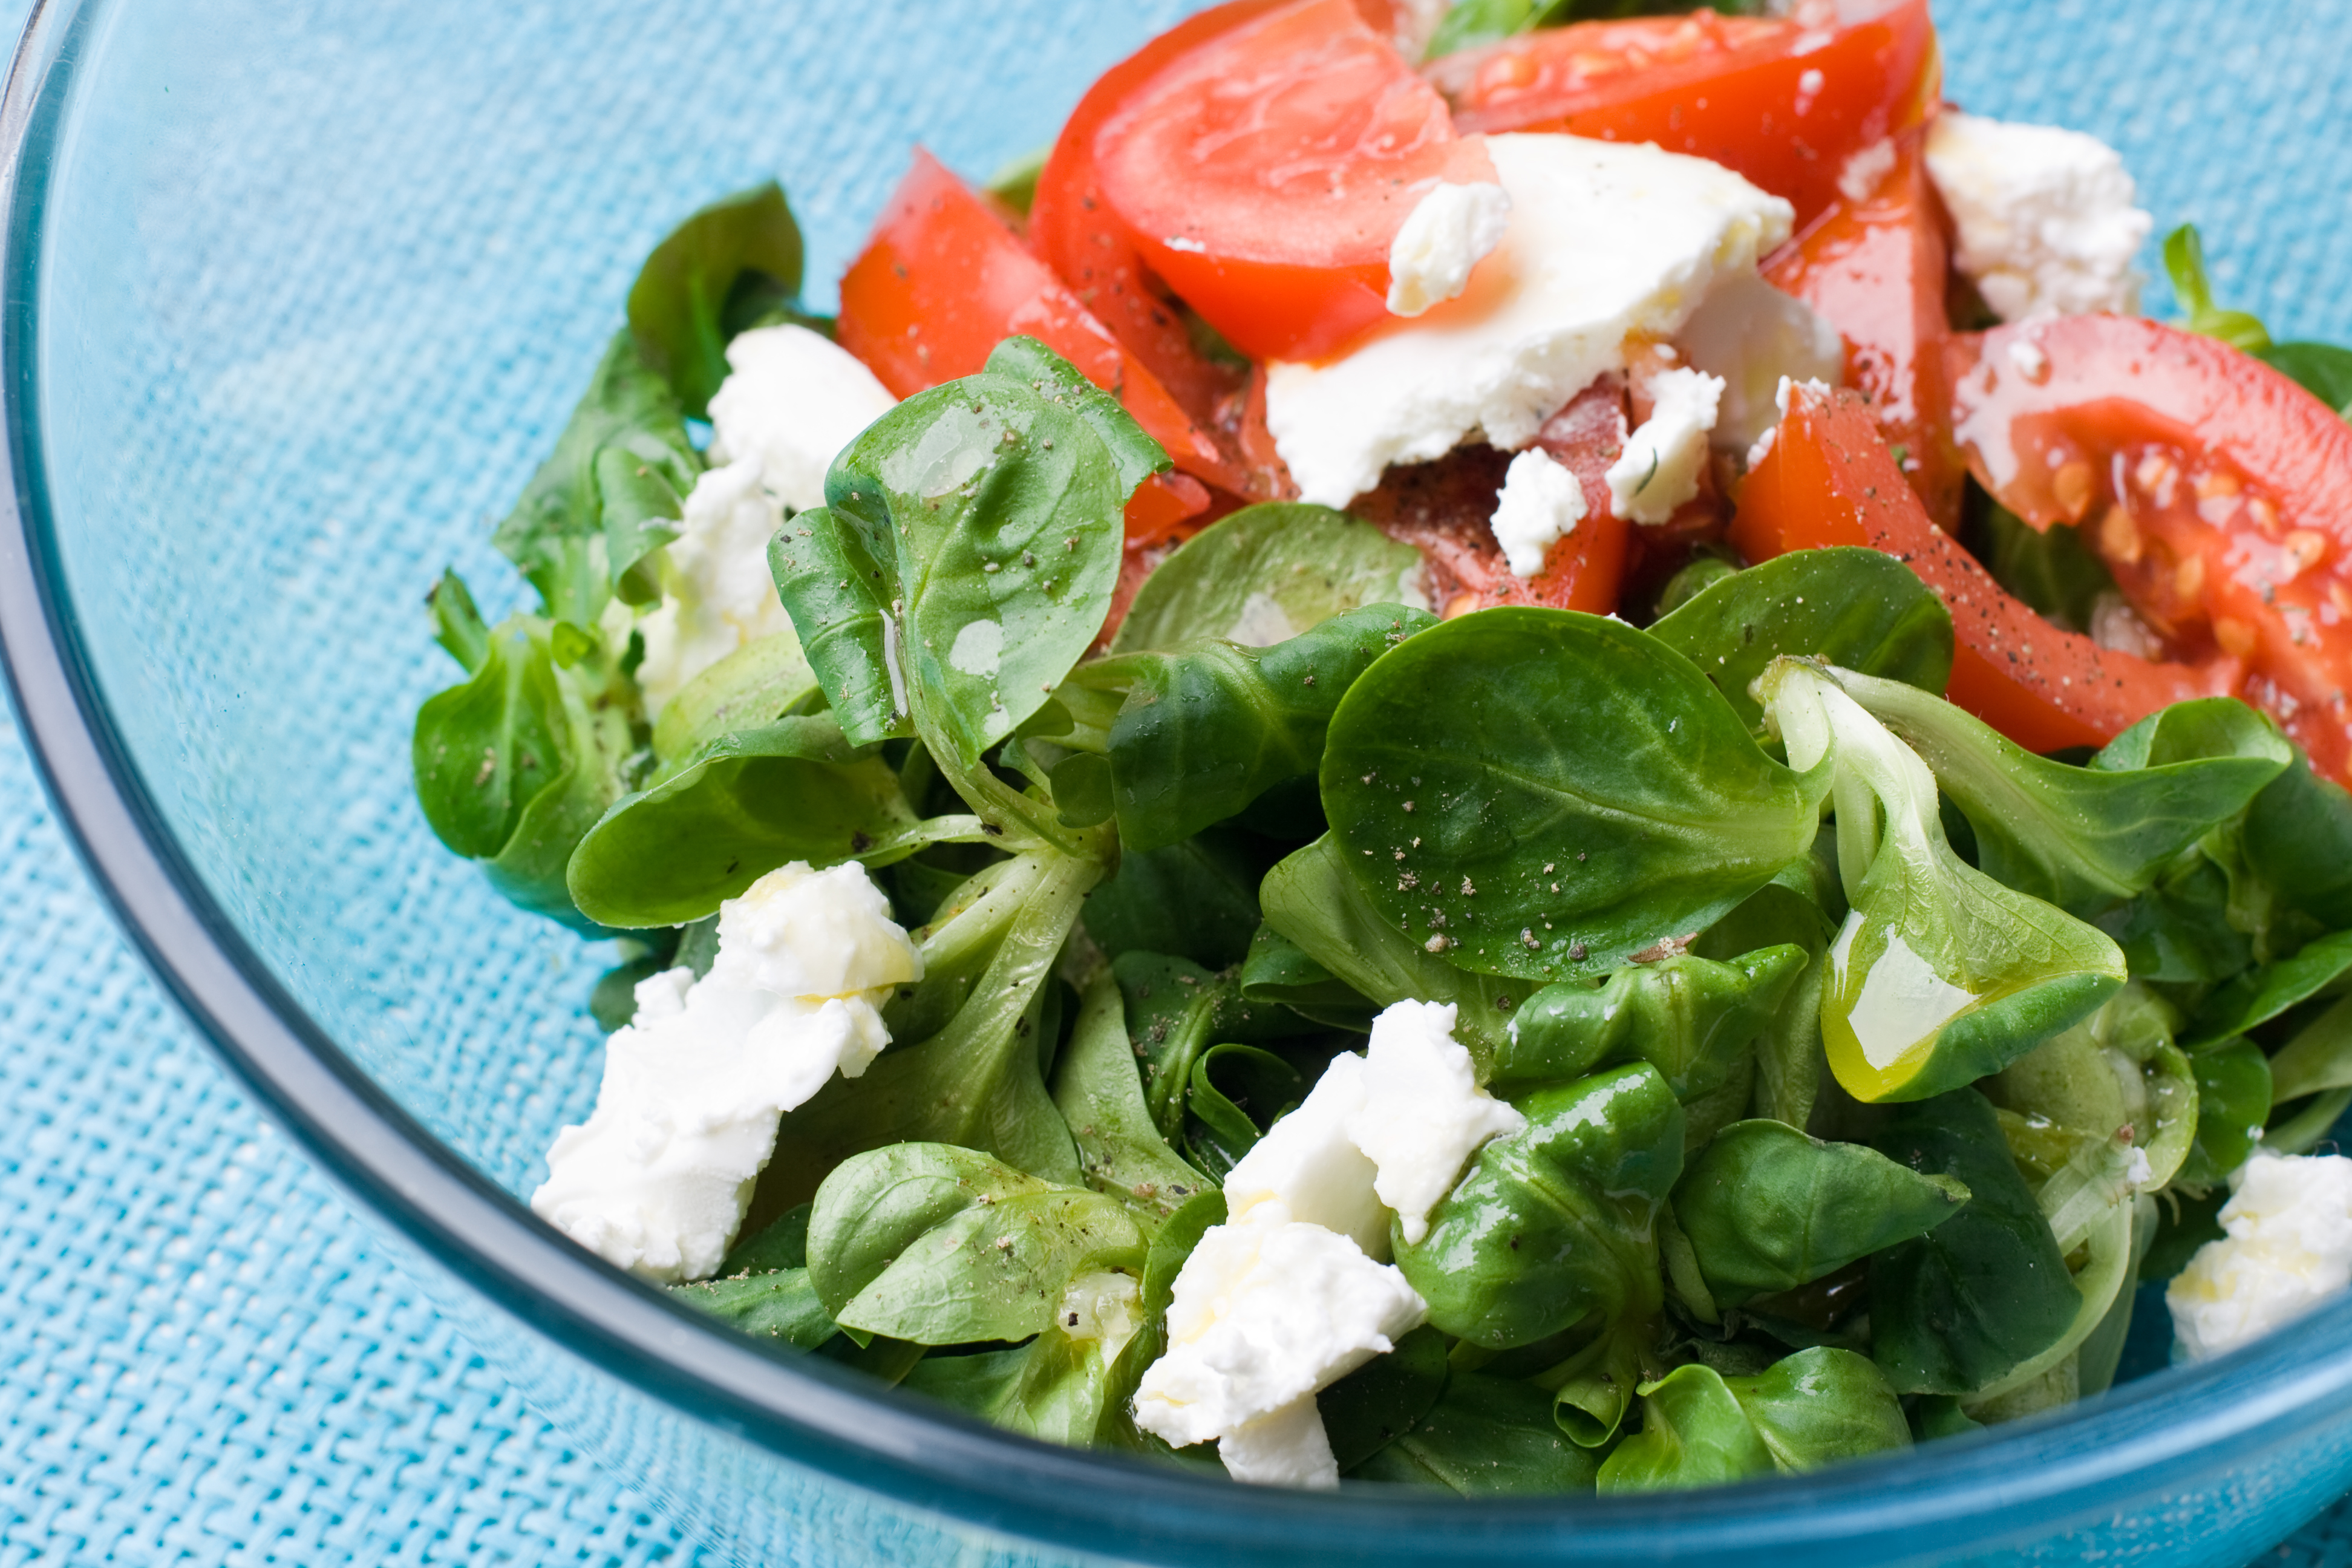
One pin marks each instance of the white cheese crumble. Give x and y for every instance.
(1423, 1114)
(2044, 217)
(1290, 1447)
(1265, 1313)
(1308, 1166)
(656, 1179)
(1862, 174)
(1754, 337)
(1448, 232)
(1659, 468)
(792, 401)
(1540, 505)
(2287, 1249)
(1605, 239)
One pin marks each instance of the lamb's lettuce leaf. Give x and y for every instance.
(1545, 795)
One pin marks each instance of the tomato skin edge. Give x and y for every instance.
(1829, 480)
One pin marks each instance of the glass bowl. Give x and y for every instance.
(297, 293)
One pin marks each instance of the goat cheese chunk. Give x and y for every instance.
(1423, 1113)
(1310, 1168)
(2287, 1247)
(2044, 218)
(1540, 505)
(791, 401)
(1753, 337)
(1265, 1313)
(1290, 1447)
(1605, 239)
(1448, 232)
(1659, 468)
(656, 1179)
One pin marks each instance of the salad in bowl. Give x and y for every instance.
(1479, 751)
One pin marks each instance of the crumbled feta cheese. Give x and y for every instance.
(798, 932)
(1308, 1164)
(1263, 1313)
(1605, 239)
(1541, 504)
(658, 1178)
(1423, 1114)
(792, 401)
(2044, 217)
(1448, 232)
(1754, 336)
(1659, 468)
(2288, 1247)
(1287, 1448)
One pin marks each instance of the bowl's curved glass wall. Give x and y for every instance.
(319, 283)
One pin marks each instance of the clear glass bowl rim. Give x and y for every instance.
(2146, 1440)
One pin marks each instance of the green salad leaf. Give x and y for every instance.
(1386, 1397)
(515, 766)
(1196, 899)
(1277, 971)
(1545, 795)
(720, 271)
(1210, 727)
(1313, 903)
(1266, 575)
(2084, 838)
(1766, 1209)
(1940, 975)
(1701, 1428)
(1691, 1019)
(1963, 1306)
(603, 502)
(1857, 608)
(1099, 1093)
(704, 831)
(764, 680)
(1485, 1437)
(965, 557)
(943, 1246)
(1555, 1222)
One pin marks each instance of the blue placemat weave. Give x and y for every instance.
(202, 1358)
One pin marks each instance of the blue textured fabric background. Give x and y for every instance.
(202, 1358)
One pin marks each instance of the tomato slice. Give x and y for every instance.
(1784, 101)
(1829, 480)
(1876, 269)
(2218, 491)
(1264, 173)
(1445, 509)
(1078, 235)
(945, 280)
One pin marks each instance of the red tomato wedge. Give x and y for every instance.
(1830, 479)
(2218, 491)
(1076, 233)
(1446, 510)
(945, 280)
(1876, 269)
(1263, 172)
(1785, 102)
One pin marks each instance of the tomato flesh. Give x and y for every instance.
(1783, 101)
(1445, 509)
(945, 280)
(2218, 491)
(1264, 173)
(1075, 230)
(1829, 480)
(1875, 268)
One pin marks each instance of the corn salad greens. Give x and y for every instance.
(1857, 1065)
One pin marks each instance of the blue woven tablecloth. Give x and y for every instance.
(202, 1358)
